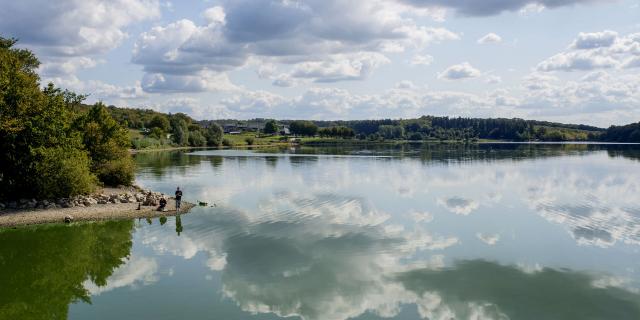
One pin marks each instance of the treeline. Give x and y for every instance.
(453, 128)
(48, 150)
(152, 129)
(446, 128)
(628, 133)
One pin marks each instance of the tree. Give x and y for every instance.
(213, 134)
(108, 146)
(35, 128)
(196, 139)
(271, 127)
(180, 132)
(303, 128)
(391, 132)
(161, 122)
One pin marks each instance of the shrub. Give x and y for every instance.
(63, 172)
(213, 134)
(227, 142)
(117, 172)
(196, 139)
(416, 136)
(250, 140)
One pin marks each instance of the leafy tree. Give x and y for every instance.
(391, 132)
(303, 128)
(35, 126)
(161, 122)
(271, 127)
(156, 133)
(180, 132)
(107, 143)
(213, 133)
(196, 139)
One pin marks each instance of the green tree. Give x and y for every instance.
(270, 127)
(196, 139)
(303, 128)
(180, 130)
(213, 133)
(161, 122)
(35, 125)
(107, 143)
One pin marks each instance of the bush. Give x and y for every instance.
(117, 172)
(63, 172)
(227, 143)
(196, 139)
(416, 136)
(250, 140)
(213, 134)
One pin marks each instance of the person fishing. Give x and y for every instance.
(178, 198)
(163, 204)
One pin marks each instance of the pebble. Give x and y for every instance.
(135, 195)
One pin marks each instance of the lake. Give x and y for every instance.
(489, 231)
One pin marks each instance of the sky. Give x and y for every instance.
(575, 61)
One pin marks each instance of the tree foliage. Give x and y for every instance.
(270, 127)
(303, 128)
(47, 149)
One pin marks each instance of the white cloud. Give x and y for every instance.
(325, 41)
(459, 71)
(595, 40)
(577, 61)
(531, 8)
(74, 27)
(490, 239)
(421, 60)
(459, 205)
(597, 50)
(484, 8)
(490, 38)
(202, 81)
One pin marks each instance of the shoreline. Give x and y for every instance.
(11, 218)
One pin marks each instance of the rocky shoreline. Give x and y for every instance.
(132, 194)
(109, 203)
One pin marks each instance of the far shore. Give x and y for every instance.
(97, 212)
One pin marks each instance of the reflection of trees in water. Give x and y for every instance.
(158, 163)
(625, 151)
(42, 270)
(545, 294)
(461, 152)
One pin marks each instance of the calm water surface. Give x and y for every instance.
(414, 232)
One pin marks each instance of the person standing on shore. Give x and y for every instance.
(178, 198)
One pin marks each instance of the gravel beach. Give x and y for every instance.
(95, 212)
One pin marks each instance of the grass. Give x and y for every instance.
(238, 140)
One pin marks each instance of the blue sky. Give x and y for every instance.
(560, 60)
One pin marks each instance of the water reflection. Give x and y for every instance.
(43, 270)
(403, 231)
(485, 290)
(334, 257)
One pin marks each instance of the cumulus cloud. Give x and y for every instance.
(595, 40)
(490, 38)
(325, 41)
(459, 71)
(596, 50)
(577, 61)
(74, 27)
(490, 239)
(459, 205)
(484, 8)
(421, 59)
